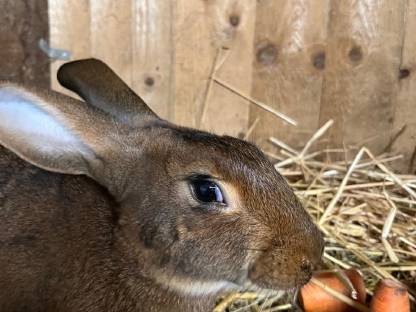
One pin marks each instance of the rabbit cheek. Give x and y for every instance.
(156, 241)
(147, 235)
(200, 253)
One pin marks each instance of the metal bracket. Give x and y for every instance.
(56, 54)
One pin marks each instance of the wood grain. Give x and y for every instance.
(202, 28)
(153, 54)
(360, 83)
(112, 33)
(351, 61)
(288, 67)
(69, 29)
(405, 105)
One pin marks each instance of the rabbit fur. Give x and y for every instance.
(97, 211)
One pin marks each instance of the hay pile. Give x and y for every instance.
(367, 213)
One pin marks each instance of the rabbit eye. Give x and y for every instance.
(207, 191)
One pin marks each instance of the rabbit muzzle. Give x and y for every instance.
(283, 268)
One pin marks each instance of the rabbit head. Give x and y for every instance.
(196, 212)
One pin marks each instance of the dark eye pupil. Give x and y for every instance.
(207, 191)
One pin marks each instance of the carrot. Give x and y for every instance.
(315, 299)
(390, 296)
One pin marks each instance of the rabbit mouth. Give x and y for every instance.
(269, 286)
(248, 285)
(261, 291)
(196, 288)
(266, 294)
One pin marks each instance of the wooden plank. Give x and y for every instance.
(404, 125)
(201, 29)
(288, 68)
(22, 24)
(112, 33)
(153, 54)
(194, 54)
(360, 84)
(69, 24)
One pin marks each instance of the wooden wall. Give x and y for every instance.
(351, 61)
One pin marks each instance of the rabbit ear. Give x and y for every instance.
(100, 86)
(50, 130)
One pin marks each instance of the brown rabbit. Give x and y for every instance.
(106, 207)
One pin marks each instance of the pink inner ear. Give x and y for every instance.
(35, 134)
(21, 117)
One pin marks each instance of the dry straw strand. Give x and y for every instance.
(344, 182)
(255, 102)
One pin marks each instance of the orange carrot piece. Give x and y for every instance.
(390, 296)
(315, 299)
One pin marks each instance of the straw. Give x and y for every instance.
(251, 128)
(255, 102)
(344, 182)
(215, 66)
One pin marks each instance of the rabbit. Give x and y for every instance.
(104, 206)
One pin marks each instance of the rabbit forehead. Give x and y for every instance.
(230, 160)
(223, 157)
